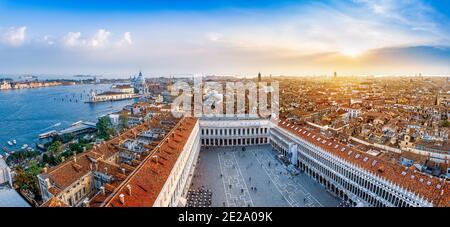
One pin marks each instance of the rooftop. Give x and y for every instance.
(71, 170)
(432, 188)
(148, 179)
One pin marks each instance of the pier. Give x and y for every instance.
(111, 96)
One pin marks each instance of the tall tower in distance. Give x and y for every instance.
(259, 77)
(335, 75)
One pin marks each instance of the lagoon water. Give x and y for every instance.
(26, 113)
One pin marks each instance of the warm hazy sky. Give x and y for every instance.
(225, 37)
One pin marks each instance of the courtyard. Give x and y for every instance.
(255, 177)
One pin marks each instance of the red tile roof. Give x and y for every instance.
(54, 202)
(68, 172)
(148, 179)
(431, 188)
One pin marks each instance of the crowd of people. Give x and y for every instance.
(344, 204)
(200, 197)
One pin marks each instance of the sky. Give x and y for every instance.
(184, 37)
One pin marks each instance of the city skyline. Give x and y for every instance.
(225, 104)
(225, 37)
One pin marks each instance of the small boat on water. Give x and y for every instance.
(25, 146)
(14, 142)
(10, 143)
(40, 146)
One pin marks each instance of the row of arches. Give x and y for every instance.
(234, 131)
(344, 181)
(234, 142)
(350, 181)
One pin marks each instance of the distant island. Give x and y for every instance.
(33, 82)
(7, 84)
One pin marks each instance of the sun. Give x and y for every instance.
(352, 53)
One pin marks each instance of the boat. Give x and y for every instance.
(14, 142)
(25, 146)
(10, 143)
(41, 146)
(47, 134)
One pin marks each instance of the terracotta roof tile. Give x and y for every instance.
(438, 195)
(147, 180)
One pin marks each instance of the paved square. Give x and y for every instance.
(255, 177)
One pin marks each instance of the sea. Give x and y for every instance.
(26, 113)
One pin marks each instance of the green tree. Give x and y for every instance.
(45, 158)
(34, 168)
(67, 137)
(55, 147)
(20, 178)
(57, 137)
(83, 141)
(20, 156)
(123, 121)
(446, 123)
(27, 179)
(104, 128)
(76, 147)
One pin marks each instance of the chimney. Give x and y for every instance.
(102, 188)
(75, 157)
(86, 202)
(129, 189)
(106, 170)
(122, 199)
(123, 171)
(63, 159)
(47, 181)
(45, 169)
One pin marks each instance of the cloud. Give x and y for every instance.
(126, 39)
(347, 28)
(309, 37)
(214, 36)
(416, 15)
(14, 36)
(100, 40)
(72, 39)
(49, 40)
